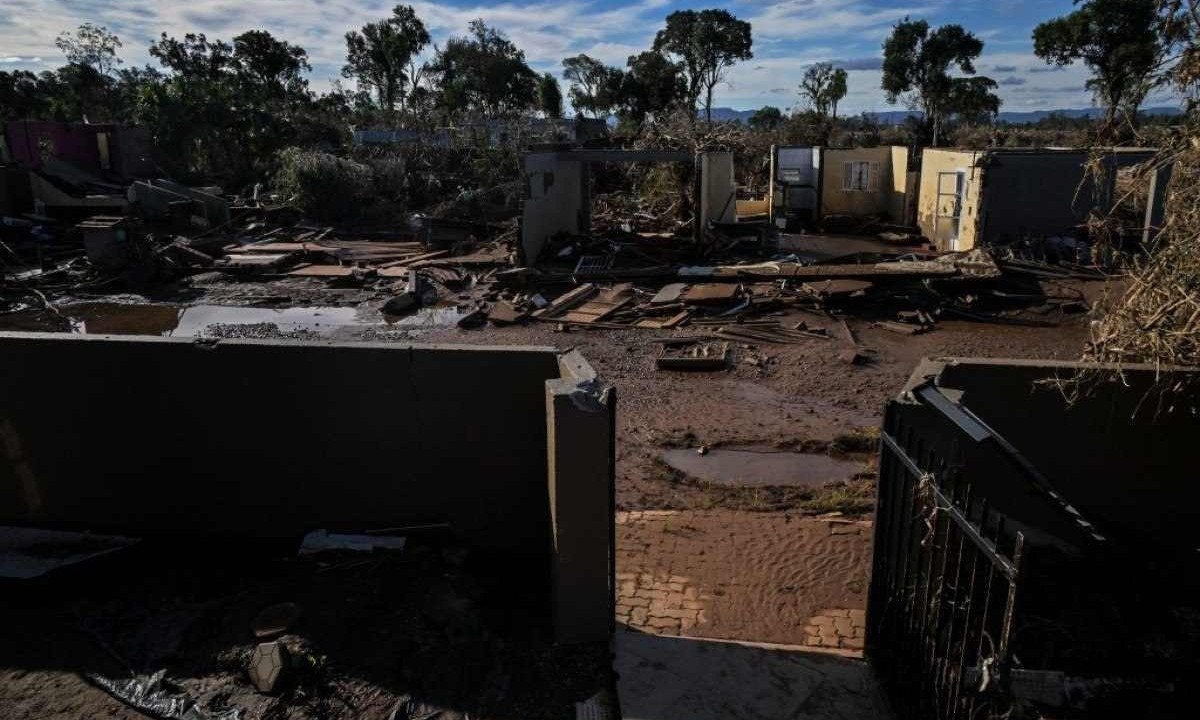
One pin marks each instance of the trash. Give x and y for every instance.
(268, 666)
(152, 695)
(401, 304)
(33, 552)
(502, 313)
(323, 540)
(693, 355)
(275, 620)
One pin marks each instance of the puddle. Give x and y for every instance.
(758, 467)
(222, 320)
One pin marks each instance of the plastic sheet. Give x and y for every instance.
(151, 695)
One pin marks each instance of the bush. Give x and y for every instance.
(323, 186)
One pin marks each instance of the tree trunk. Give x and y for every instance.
(937, 127)
(708, 106)
(834, 115)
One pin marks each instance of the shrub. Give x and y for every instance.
(323, 186)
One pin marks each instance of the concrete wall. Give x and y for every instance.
(1123, 453)
(718, 189)
(273, 439)
(898, 203)
(1042, 193)
(556, 201)
(934, 161)
(882, 198)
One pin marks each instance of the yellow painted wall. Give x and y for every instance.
(899, 182)
(885, 199)
(934, 161)
(857, 203)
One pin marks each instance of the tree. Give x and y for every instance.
(595, 87)
(652, 86)
(707, 43)
(91, 45)
(272, 66)
(766, 118)
(916, 64)
(22, 95)
(1117, 40)
(823, 85)
(378, 54)
(550, 96)
(483, 73)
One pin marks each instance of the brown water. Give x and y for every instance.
(174, 321)
(761, 466)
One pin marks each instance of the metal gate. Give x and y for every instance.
(946, 569)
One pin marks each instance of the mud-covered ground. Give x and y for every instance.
(746, 553)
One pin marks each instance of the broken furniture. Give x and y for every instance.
(1034, 556)
(512, 447)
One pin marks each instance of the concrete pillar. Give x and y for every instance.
(580, 433)
(1156, 200)
(718, 189)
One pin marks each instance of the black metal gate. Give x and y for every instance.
(946, 568)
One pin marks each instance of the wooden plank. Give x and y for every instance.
(322, 271)
(284, 247)
(567, 300)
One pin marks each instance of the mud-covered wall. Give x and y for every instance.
(1123, 451)
(266, 438)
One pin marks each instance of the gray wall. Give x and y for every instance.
(1124, 453)
(274, 439)
(1039, 193)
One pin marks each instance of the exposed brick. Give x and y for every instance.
(639, 616)
(812, 640)
(852, 643)
(675, 599)
(843, 626)
(643, 602)
(829, 641)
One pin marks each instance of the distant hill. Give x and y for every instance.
(896, 117)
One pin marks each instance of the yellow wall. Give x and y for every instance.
(887, 197)
(934, 161)
(899, 182)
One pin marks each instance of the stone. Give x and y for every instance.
(275, 620)
(268, 666)
(401, 304)
(852, 643)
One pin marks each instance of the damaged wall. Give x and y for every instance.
(959, 175)
(879, 192)
(1012, 193)
(273, 439)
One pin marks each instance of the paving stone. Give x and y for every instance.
(268, 665)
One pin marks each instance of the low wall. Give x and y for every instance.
(275, 438)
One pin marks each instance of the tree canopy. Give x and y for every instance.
(378, 55)
(823, 86)
(484, 73)
(706, 44)
(917, 64)
(1117, 40)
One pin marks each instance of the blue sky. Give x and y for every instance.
(788, 36)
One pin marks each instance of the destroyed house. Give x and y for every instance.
(969, 198)
(865, 182)
(104, 149)
(815, 184)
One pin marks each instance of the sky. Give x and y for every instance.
(788, 36)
